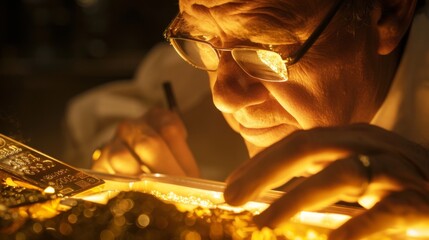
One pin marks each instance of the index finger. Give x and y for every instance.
(341, 180)
(149, 147)
(284, 160)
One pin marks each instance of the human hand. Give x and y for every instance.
(155, 141)
(394, 187)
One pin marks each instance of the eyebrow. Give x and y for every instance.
(270, 29)
(257, 28)
(269, 22)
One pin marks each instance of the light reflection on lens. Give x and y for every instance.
(274, 62)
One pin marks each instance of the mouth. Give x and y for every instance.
(261, 129)
(254, 132)
(266, 136)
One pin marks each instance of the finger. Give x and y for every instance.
(122, 160)
(341, 180)
(398, 210)
(149, 146)
(102, 165)
(357, 138)
(171, 128)
(115, 158)
(386, 178)
(303, 149)
(291, 157)
(100, 161)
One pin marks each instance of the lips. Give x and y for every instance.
(265, 136)
(261, 127)
(258, 131)
(252, 126)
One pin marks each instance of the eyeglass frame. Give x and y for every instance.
(290, 60)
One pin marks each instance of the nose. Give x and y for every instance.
(234, 89)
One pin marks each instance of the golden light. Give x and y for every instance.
(274, 62)
(202, 197)
(418, 233)
(325, 220)
(49, 190)
(187, 194)
(96, 154)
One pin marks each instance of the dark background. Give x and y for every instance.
(51, 50)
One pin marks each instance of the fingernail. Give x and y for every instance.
(231, 195)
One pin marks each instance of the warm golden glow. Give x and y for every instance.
(143, 220)
(49, 190)
(274, 62)
(189, 197)
(17, 183)
(368, 201)
(326, 220)
(145, 168)
(420, 233)
(186, 200)
(96, 154)
(43, 211)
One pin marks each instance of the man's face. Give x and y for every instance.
(333, 84)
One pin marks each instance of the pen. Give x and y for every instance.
(169, 95)
(143, 166)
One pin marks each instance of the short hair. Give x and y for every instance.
(358, 12)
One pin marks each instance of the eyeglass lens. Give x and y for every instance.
(262, 64)
(199, 54)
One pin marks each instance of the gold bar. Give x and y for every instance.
(41, 170)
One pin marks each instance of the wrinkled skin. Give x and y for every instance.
(334, 84)
(313, 125)
(341, 80)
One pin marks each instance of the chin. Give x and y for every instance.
(256, 146)
(261, 142)
(263, 138)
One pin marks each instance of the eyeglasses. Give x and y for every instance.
(263, 64)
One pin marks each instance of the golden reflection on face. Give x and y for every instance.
(333, 84)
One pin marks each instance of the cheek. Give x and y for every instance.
(228, 117)
(297, 100)
(313, 98)
(212, 79)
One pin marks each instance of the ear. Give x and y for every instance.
(393, 18)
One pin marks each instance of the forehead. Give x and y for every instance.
(260, 21)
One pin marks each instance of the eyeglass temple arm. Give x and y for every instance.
(167, 31)
(295, 57)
